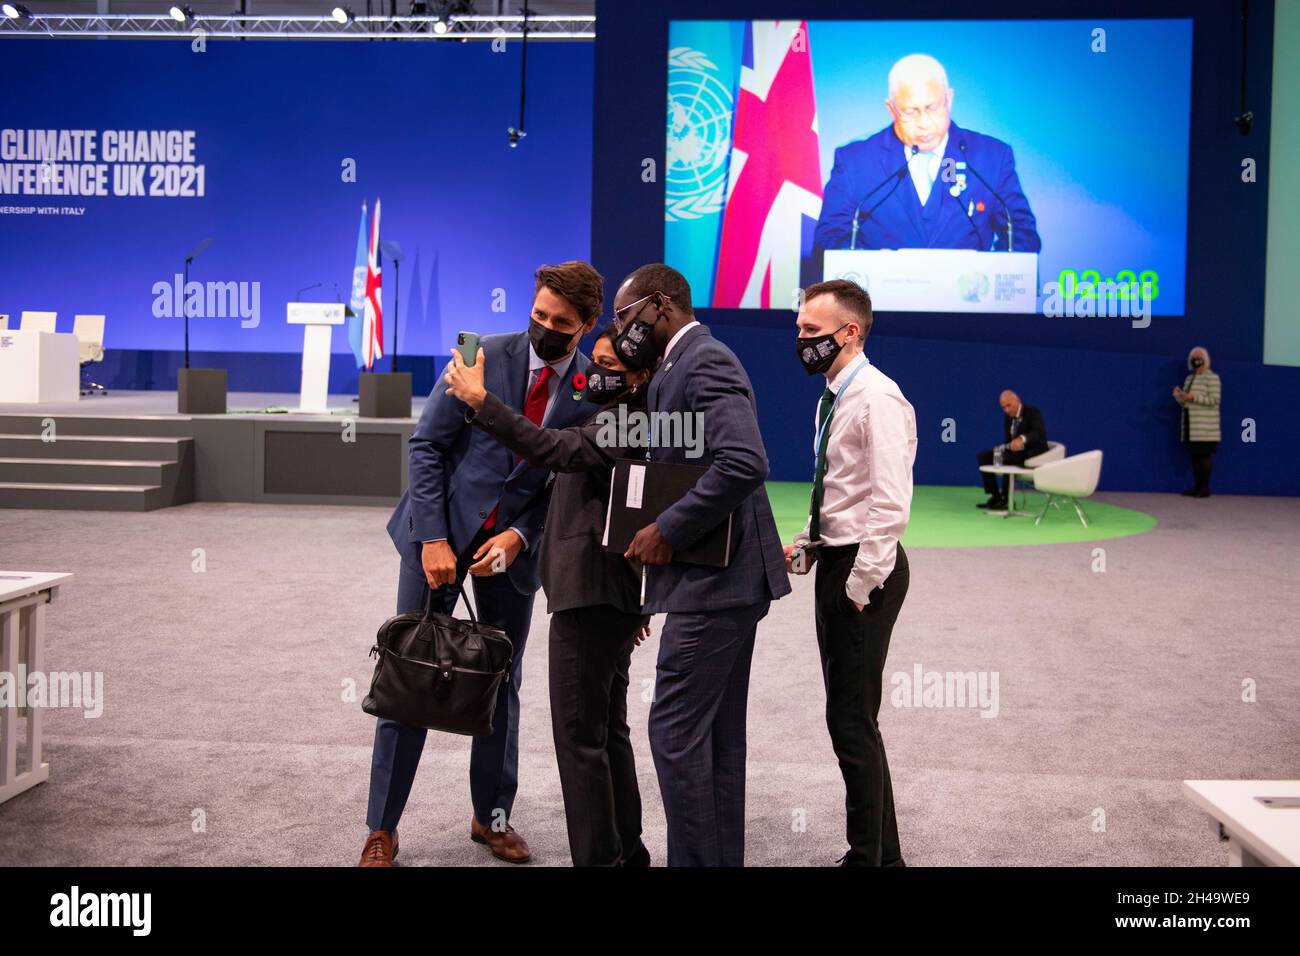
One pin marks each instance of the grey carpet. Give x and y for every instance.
(225, 696)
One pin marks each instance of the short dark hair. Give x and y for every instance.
(657, 277)
(848, 295)
(578, 283)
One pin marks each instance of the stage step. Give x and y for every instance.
(12, 423)
(89, 471)
(95, 472)
(92, 446)
(82, 497)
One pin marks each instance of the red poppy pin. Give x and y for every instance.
(579, 383)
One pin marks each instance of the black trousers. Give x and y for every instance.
(1202, 453)
(853, 647)
(995, 485)
(590, 652)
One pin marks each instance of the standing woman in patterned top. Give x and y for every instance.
(1199, 397)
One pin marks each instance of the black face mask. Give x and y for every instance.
(635, 345)
(605, 385)
(549, 344)
(1198, 362)
(817, 353)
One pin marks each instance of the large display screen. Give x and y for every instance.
(946, 166)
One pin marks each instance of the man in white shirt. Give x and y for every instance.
(865, 444)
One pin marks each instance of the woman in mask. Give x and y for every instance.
(1199, 397)
(594, 598)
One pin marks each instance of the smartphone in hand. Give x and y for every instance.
(467, 346)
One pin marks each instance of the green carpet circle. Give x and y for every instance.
(946, 517)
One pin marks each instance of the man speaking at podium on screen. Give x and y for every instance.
(924, 182)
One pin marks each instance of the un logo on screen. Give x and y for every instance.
(699, 136)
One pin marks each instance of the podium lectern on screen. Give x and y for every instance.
(317, 320)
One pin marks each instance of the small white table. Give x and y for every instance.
(38, 367)
(1257, 834)
(1011, 471)
(23, 596)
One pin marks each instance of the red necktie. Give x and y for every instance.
(534, 411)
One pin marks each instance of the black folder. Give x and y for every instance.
(655, 487)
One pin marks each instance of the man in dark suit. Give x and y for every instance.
(472, 506)
(923, 182)
(1025, 436)
(697, 719)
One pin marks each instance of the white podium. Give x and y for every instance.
(23, 596)
(317, 320)
(39, 367)
(940, 280)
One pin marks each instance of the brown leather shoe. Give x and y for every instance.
(379, 850)
(508, 846)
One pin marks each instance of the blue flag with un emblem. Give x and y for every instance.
(704, 59)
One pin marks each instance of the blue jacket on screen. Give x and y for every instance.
(946, 221)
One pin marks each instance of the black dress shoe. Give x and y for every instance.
(639, 857)
(991, 503)
(1190, 493)
(1202, 494)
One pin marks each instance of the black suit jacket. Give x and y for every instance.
(575, 569)
(1031, 427)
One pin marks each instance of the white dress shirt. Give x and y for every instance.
(560, 368)
(867, 490)
(676, 338)
(924, 168)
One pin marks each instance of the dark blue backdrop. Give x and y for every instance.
(426, 125)
(1100, 382)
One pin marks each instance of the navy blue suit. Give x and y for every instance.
(900, 222)
(457, 475)
(697, 719)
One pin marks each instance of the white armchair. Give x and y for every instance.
(1069, 479)
(89, 330)
(1055, 452)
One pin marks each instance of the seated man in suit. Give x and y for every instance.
(473, 506)
(1025, 436)
(697, 719)
(923, 182)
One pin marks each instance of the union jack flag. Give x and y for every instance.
(774, 182)
(372, 326)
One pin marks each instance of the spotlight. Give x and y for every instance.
(1245, 122)
(514, 136)
(15, 11)
(183, 13)
(440, 27)
(419, 8)
(343, 15)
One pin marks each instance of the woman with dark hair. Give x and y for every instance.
(594, 598)
(1199, 396)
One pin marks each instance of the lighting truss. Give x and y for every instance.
(235, 26)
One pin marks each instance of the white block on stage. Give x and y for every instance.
(39, 367)
(940, 280)
(317, 320)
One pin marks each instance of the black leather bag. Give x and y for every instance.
(438, 672)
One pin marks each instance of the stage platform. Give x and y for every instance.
(131, 451)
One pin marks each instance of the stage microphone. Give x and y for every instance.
(337, 297)
(961, 146)
(298, 295)
(895, 177)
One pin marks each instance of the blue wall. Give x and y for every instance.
(425, 124)
(1101, 383)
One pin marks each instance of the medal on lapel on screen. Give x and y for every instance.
(817, 352)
